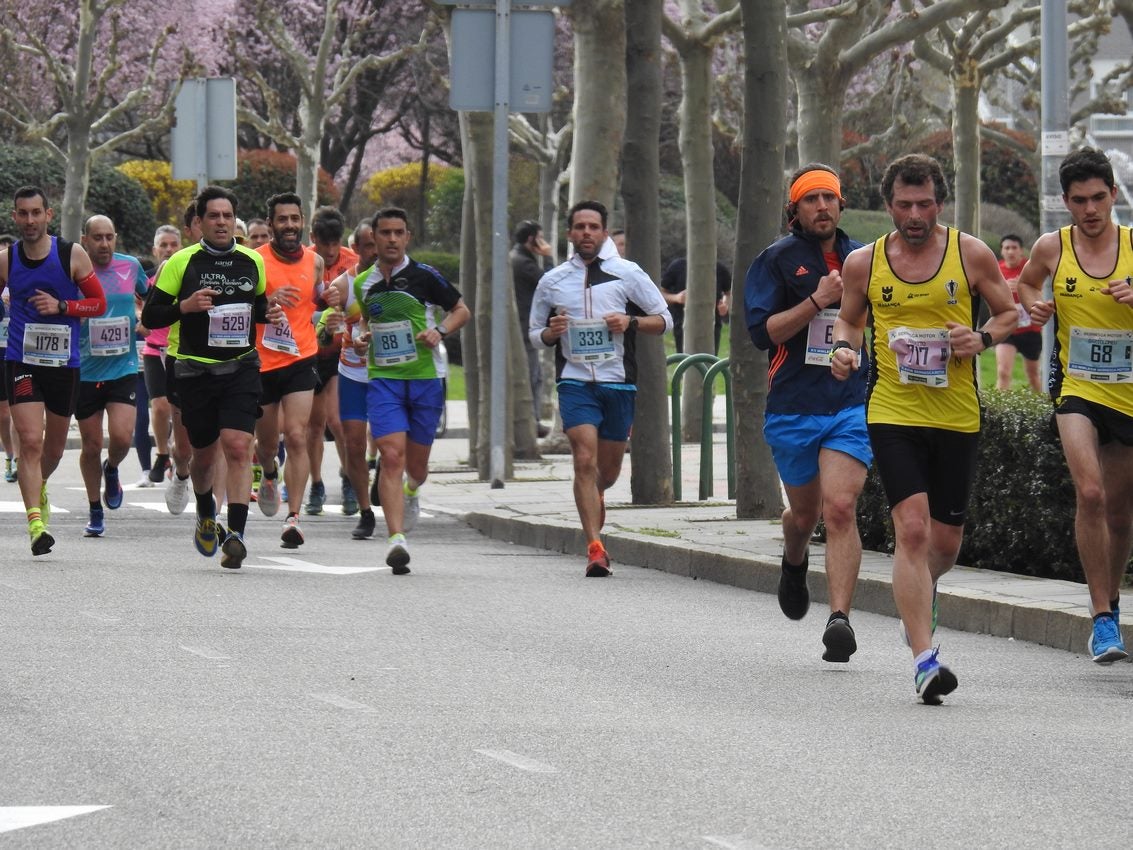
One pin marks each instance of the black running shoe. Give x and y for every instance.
(794, 597)
(839, 639)
(232, 551)
(364, 530)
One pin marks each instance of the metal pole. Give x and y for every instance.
(1055, 135)
(497, 425)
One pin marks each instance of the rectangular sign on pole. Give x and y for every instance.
(532, 55)
(204, 130)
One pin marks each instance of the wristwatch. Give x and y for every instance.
(987, 340)
(632, 324)
(62, 308)
(838, 345)
(442, 330)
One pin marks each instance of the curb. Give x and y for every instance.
(1066, 626)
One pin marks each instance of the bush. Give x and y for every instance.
(1021, 510)
(446, 205)
(168, 197)
(263, 173)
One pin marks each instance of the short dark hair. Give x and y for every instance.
(30, 192)
(526, 230)
(389, 212)
(212, 193)
(618, 232)
(1010, 237)
(914, 169)
(254, 222)
(189, 214)
(1085, 164)
(281, 199)
(328, 225)
(594, 206)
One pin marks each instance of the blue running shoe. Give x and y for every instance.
(934, 680)
(1105, 643)
(205, 537)
(349, 498)
(316, 498)
(112, 492)
(97, 525)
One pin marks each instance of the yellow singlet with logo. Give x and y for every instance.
(1093, 336)
(916, 380)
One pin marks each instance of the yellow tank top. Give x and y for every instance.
(916, 381)
(1093, 333)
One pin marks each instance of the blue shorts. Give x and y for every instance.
(352, 399)
(412, 406)
(608, 407)
(796, 439)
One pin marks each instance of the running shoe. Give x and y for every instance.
(269, 495)
(349, 498)
(232, 551)
(97, 525)
(112, 491)
(1105, 643)
(316, 498)
(257, 477)
(9, 470)
(839, 639)
(364, 530)
(158, 470)
(44, 505)
(412, 510)
(205, 537)
(597, 561)
(145, 481)
(794, 596)
(177, 494)
(933, 679)
(292, 536)
(397, 555)
(935, 617)
(41, 539)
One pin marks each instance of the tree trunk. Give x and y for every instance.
(599, 99)
(469, 339)
(76, 171)
(757, 225)
(966, 143)
(423, 183)
(700, 222)
(821, 96)
(307, 156)
(651, 465)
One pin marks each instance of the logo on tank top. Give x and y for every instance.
(950, 288)
(1071, 282)
(887, 294)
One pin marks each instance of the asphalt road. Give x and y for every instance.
(495, 698)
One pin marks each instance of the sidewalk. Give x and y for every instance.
(704, 540)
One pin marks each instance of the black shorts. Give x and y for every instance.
(4, 380)
(56, 387)
(212, 402)
(153, 367)
(934, 461)
(298, 377)
(1027, 343)
(95, 395)
(171, 381)
(327, 368)
(1109, 423)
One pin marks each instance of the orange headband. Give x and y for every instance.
(817, 179)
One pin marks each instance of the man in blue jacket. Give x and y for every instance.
(814, 424)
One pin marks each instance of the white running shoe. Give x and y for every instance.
(177, 494)
(397, 556)
(144, 481)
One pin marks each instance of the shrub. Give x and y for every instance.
(263, 173)
(1021, 509)
(447, 264)
(446, 204)
(168, 197)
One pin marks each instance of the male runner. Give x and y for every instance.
(1027, 339)
(51, 286)
(920, 284)
(108, 370)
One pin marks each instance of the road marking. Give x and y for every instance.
(343, 702)
(298, 566)
(734, 842)
(205, 652)
(21, 817)
(102, 618)
(516, 760)
(18, 508)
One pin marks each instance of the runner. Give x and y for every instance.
(213, 293)
(405, 397)
(51, 286)
(108, 370)
(166, 243)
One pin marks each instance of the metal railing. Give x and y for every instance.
(709, 367)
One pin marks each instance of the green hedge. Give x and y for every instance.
(447, 264)
(1021, 510)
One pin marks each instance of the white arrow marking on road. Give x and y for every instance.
(21, 817)
(343, 702)
(295, 565)
(102, 618)
(516, 760)
(151, 506)
(18, 508)
(734, 842)
(205, 652)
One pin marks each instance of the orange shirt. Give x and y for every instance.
(345, 261)
(297, 339)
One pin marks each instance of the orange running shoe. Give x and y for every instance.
(598, 562)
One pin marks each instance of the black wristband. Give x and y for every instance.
(840, 344)
(815, 303)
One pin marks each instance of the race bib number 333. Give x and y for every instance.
(588, 341)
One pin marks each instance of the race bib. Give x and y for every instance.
(588, 341)
(109, 335)
(1024, 318)
(1100, 355)
(922, 355)
(4, 332)
(820, 338)
(349, 357)
(230, 325)
(392, 343)
(47, 345)
(279, 338)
